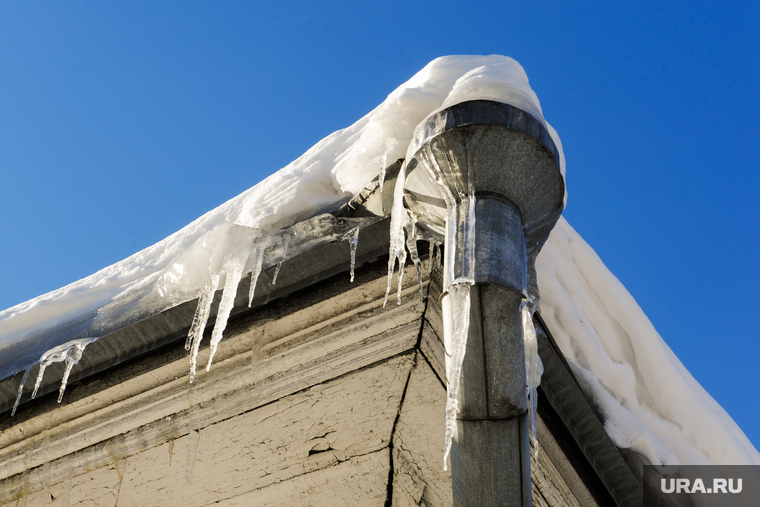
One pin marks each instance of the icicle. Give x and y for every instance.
(20, 391)
(459, 295)
(258, 260)
(199, 322)
(73, 355)
(401, 266)
(285, 245)
(397, 250)
(391, 264)
(411, 245)
(276, 272)
(39, 379)
(352, 237)
(534, 368)
(192, 449)
(234, 268)
(390, 145)
(202, 311)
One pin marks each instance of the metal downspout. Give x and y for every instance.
(485, 179)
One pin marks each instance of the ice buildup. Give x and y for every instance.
(70, 353)
(458, 301)
(534, 368)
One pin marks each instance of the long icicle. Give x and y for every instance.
(397, 248)
(411, 246)
(234, 268)
(202, 314)
(73, 355)
(460, 306)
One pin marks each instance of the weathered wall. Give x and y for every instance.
(303, 400)
(322, 399)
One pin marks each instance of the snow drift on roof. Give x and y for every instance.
(650, 402)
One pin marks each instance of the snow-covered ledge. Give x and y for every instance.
(484, 177)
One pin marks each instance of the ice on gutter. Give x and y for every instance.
(70, 353)
(650, 402)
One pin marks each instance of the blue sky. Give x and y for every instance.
(121, 122)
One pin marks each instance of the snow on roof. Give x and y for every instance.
(650, 402)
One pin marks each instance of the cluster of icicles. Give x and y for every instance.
(265, 249)
(251, 250)
(245, 250)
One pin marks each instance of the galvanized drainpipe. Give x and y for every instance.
(485, 175)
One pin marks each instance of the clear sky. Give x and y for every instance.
(121, 122)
